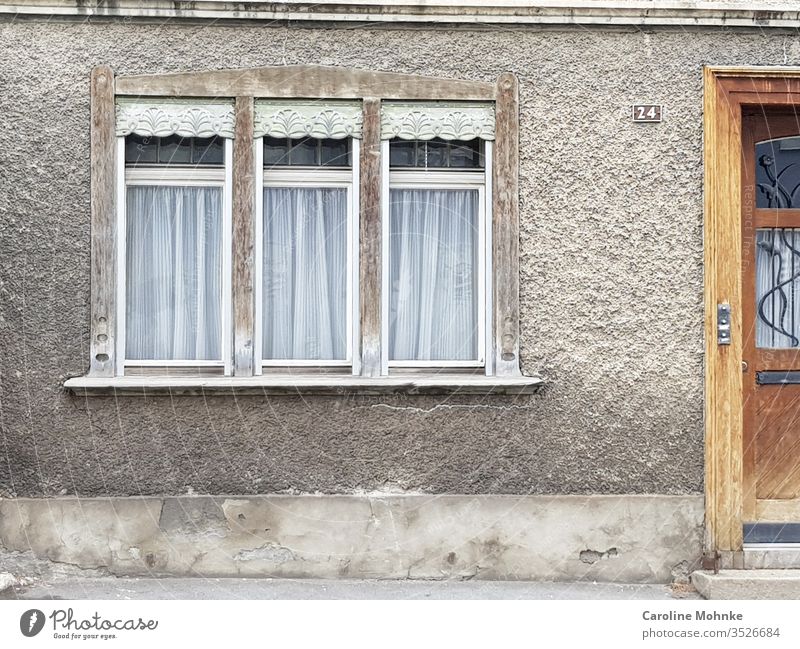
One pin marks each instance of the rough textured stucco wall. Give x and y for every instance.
(611, 255)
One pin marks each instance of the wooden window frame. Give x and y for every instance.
(307, 82)
(726, 91)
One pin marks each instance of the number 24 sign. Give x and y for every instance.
(647, 112)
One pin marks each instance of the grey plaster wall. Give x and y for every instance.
(611, 253)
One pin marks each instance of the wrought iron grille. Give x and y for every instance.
(778, 173)
(777, 289)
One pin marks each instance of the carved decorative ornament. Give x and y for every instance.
(184, 119)
(445, 121)
(315, 119)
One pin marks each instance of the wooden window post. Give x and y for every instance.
(243, 237)
(505, 215)
(370, 239)
(103, 145)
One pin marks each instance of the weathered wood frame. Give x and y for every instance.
(726, 90)
(308, 82)
(103, 151)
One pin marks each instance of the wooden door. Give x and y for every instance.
(771, 323)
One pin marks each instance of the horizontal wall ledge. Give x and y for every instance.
(677, 13)
(323, 384)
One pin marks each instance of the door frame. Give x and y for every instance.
(726, 90)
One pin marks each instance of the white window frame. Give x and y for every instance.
(310, 177)
(173, 176)
(416, 178)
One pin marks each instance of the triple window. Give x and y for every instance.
(176, 239)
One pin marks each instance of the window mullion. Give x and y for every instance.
(370, 239)
(103, 144)
(243, 216)
(505, 233)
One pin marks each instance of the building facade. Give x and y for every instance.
(558, 431)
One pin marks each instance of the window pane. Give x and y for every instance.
(437, 153)
(207, 151)
(304, 152)
(141, 150)
(402, 153)
(466, 155)
(335, 153)
(173, 273)
(175, 150)
(778, 288)
(778, 173)
(304, 274)
(276, 151)
(433, 275)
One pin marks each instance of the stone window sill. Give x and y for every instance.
(303, 384)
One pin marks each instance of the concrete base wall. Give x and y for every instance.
(603, 538)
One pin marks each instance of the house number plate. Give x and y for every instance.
(647, 112)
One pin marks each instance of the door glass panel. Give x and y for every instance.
(777, 289)
(778, 173)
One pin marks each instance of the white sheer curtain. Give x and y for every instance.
(778, 281)
(433, 259)
(304, 274)
(173, 273)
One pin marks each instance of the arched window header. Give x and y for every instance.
(163, 118)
